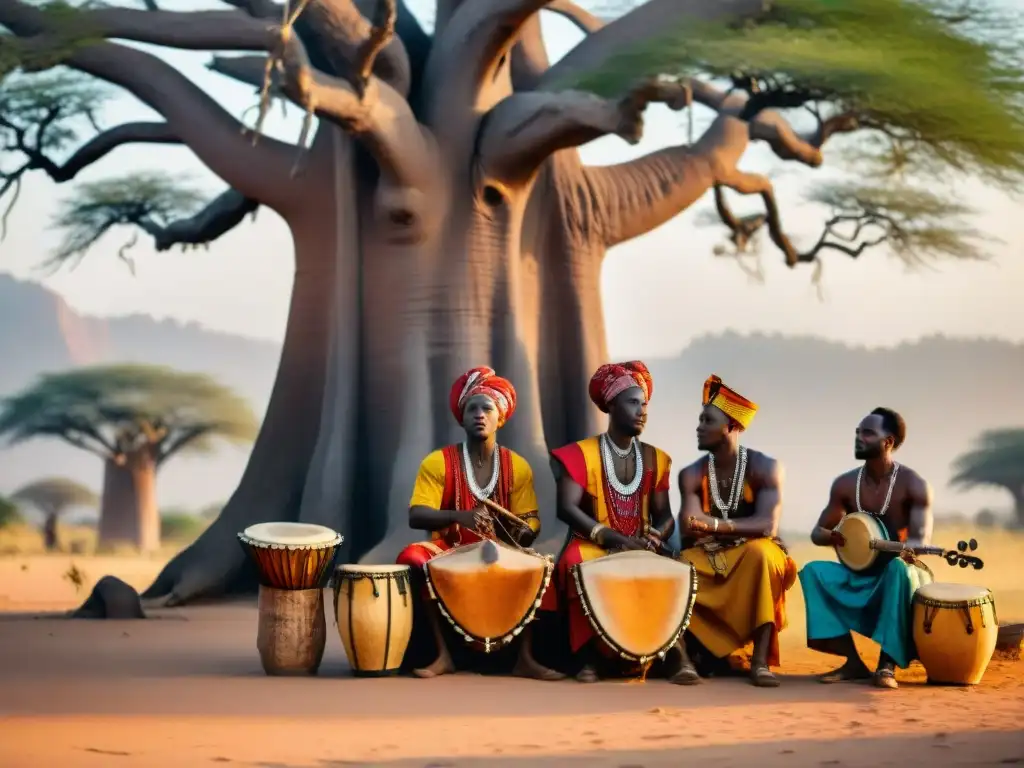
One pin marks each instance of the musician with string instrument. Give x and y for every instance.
(457, 490)
(877, 601)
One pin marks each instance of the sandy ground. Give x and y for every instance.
(187, 689)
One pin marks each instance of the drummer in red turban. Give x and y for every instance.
(447, 499)
(732, 505)
(612, 493)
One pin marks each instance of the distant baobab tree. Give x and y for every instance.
(52, 497)
(135, 418)
(442, 218)
(997, 460)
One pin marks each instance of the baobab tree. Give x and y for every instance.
(135, 418)
(52, 497)
(997, 460)
(441, 216)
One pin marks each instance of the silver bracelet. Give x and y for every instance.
(595, 531)
(716, 524)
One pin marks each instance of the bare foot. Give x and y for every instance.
(443, 665)
(526, 667)
(762, 677)
(587, 675)
(885, 678)
(849, 672)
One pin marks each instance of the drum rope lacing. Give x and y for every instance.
(888, 493)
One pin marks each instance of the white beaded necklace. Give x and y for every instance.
(609, 465)
(735, 493)
(888, 493)
(474, 486)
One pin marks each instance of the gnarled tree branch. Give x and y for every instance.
(582, 18)
(100, 146)
(261, 172)
(524, 129)
(468, 52)
(220, 216)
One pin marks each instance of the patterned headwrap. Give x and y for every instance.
(612, 379)
(483, 381)
(731, 403)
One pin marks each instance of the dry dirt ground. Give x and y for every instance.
(187, 689)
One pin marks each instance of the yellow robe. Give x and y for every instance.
(739, 588)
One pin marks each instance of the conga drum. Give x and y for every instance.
(291, 560)
(373, 611)
(955, 630)
(638, 603)
(488, 591)
(860, 530)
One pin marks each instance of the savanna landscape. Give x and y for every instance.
(438, 204)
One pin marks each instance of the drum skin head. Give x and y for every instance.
(362, 568)
(953, 594)
(638, 600)
(859, 529)
(283, 534)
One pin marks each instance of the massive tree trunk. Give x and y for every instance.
(1018, 506)
(451, 229)
(128, 509)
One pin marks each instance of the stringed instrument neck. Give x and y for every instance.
(956, 556)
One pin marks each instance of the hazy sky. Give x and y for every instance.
(242, 283)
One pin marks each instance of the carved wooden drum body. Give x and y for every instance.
(373, 611)
(488, 591)
(860, 529)
(291, 555)
(955, 631)
(291, 560)
(639, 603)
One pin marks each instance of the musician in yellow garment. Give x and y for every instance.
(732, 505)
(450, 486)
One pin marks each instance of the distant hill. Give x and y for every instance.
(811, 392)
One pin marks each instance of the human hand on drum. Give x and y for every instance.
(614, 540)
(478, 520)
(836, 539)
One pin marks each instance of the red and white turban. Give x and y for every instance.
(612, 379)
(483, 381)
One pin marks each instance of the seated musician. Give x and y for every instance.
(731, 508)
(452, 481)
(612, 493)
(876, 603)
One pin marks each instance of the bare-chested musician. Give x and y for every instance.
(874, 604)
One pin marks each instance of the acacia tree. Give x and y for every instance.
(135, 418)
(996, 460)
(53, 496)
(442, 218)
(9, 514)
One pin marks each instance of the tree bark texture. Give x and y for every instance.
(128, 508)
(442, 219)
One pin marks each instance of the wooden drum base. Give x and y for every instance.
(292, 631)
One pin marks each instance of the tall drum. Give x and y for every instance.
(373, 611)
(291, 560)
(638, 603)
(955, 631)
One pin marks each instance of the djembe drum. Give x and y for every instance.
(955, 631)
(292, 560)
(638, 603)
(488, 591)
(373, 611)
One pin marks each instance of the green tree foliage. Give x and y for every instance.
(9, 514)
(55, 495)
(997, 459)
(117, 410)
(181, 527)
(927, 92)
(149, 201)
